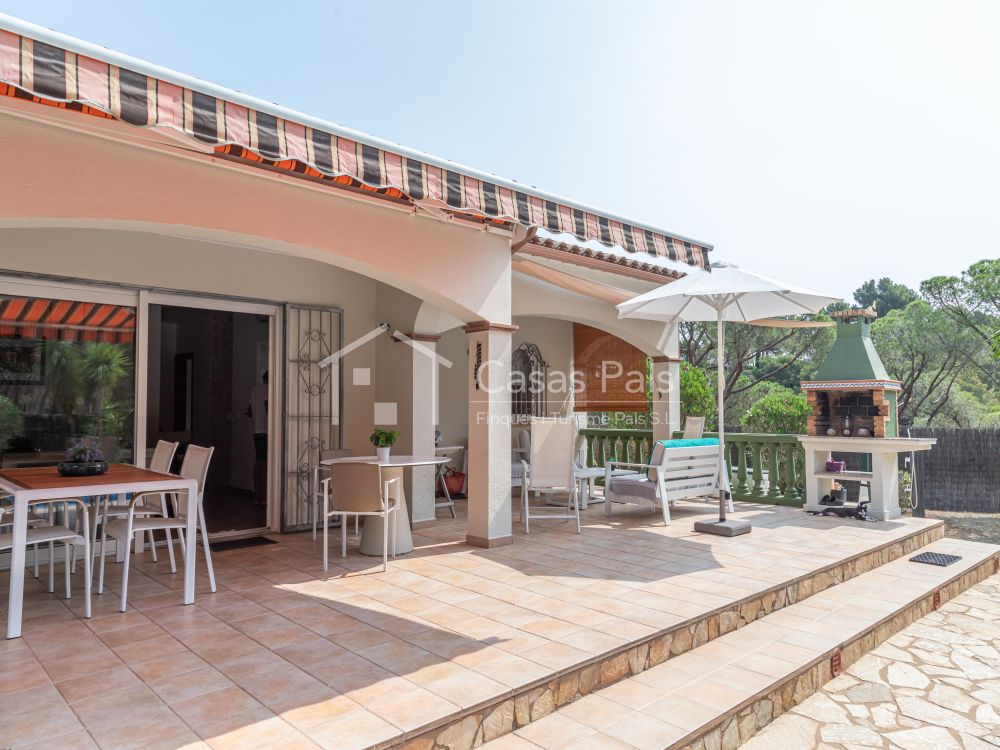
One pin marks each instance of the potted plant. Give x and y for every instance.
(383, 440)
(83, 459)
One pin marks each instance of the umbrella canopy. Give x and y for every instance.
(741, 295)
(727, 293)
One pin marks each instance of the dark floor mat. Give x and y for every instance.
(253, 541)
(935, 558)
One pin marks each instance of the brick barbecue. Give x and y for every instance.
(853, 395)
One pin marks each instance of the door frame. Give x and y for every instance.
(275, 314)
(32, 285)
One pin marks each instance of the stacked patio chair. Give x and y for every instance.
(552, 468)
(195, 466)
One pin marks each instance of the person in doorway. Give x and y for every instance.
(258, 412)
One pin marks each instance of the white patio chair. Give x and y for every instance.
(320, 471)
(694, 428)
(520, 451)
(356, 489)
(552, 468)
(672, 474)
(195, 466)
(153, 504)
(52, 533)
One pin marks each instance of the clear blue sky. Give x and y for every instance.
(823, 142)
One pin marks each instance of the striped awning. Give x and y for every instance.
(64, 320)
(56, 76)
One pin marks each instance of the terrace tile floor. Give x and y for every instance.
(285, 655)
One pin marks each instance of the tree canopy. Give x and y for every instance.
(942, 343)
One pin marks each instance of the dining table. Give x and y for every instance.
(33, 484)
(392, 468)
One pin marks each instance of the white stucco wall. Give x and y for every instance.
(143, 260)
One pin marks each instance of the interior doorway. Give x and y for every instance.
(208, 384)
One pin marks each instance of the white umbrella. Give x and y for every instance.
(727, 293)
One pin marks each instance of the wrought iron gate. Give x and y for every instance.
(312, 406)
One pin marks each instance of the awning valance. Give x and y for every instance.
(58, 76)
(65, 320)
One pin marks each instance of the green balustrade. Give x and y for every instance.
(768, 468)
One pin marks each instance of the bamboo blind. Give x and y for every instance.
(602, 384)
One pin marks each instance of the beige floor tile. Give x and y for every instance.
(310, 712)
(644, 732)
(287, 690)
(511, 742)
(554, 731)
(595, 710)
(355, 729)
(410, 708)
(78, 739)
(179, 687)
(112, 680)
(556, 656)
(221, 711)
(28, 728)
(158, 667)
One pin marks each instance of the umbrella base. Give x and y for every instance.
(729, 527)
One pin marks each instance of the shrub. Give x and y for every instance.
(779, 412)
(11, 421)
(697, 396)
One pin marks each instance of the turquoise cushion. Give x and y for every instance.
(689, 442)
(684, 443)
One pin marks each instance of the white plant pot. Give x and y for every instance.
(382, 453)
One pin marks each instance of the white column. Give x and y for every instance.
(666, 405)
(425, 417)
(489, 485)
(667, 385)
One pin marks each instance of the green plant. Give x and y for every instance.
(697, 396)
(103, 365)
(781, 412)
(84, 451)
(11, 421)
(383, 438)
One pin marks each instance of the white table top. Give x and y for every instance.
(393, 460)
(866, 444)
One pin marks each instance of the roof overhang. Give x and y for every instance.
(50, 68)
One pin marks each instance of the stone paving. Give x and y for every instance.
(933, 686)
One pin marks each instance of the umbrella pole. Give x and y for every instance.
(722, 527)
(720, 368)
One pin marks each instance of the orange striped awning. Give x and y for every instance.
(55, 76)
(64, 320)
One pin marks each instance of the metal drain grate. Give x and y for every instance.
(935, 558)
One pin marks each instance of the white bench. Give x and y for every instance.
(673, 474)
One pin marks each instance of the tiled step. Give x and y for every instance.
(794, 578)
(723, 692)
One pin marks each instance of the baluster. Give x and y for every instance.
(757, 491)
(792, 491)
(742, 488)
(773, 478)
